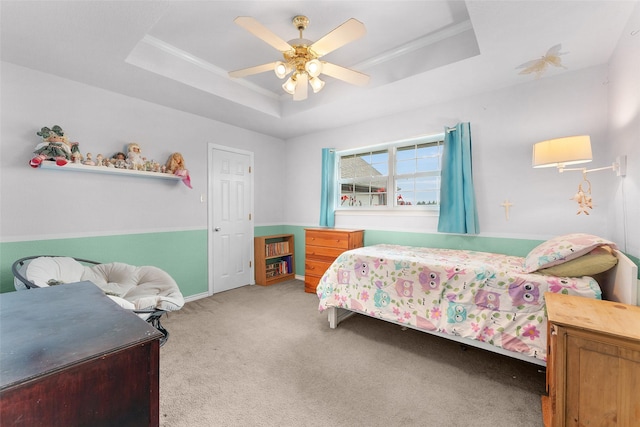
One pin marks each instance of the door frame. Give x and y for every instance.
(211, 147)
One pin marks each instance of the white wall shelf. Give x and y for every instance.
(49, 164)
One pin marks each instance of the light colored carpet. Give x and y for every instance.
(265, 356)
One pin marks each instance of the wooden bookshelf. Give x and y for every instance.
(274, 258)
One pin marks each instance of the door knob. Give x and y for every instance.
(216, 229)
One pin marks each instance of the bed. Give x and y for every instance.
(486, 300)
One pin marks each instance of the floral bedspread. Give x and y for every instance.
(477, 295)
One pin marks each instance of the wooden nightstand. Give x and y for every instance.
(593, 362)
(322, 247)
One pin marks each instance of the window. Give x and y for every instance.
(396, 175)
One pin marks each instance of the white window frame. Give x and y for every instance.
(391, 148)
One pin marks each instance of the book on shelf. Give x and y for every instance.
(277, 248)
(278, 268)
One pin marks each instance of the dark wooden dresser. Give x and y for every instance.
(70, 356)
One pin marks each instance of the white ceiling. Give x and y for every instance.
(177, 53)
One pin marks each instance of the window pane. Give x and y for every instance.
(417, 174)
(364, 165)
(364, 176)
(405, 167)
(404, 153)
(429, 164)
(347, 167)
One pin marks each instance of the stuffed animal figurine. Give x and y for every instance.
(175, 165)
(54, 146)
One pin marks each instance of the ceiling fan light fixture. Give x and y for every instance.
(313, 67)
(301, 56)
(281, 69)
(290, 86)
(316, 84)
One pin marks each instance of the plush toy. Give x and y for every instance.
(175, 165)
(54, 146)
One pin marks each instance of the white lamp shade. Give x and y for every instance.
(313, 67)
(562, 152)
(289, 86)
(316, 84)
(281, 69)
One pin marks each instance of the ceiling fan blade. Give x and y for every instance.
(302, 87)
(350, 76)
(262, 32)
(349, 31)
(253, 70)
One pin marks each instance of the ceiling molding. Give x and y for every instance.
(416, 44)
(186, 56)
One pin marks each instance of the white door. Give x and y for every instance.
(230, 218)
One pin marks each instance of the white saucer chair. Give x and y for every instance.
(147, 291)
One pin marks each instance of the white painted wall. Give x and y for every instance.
(624, 134)
(504, 126)
(38, 203)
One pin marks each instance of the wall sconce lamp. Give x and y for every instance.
(573, 150)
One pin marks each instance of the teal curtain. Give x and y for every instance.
(458, 212)
(328, 190)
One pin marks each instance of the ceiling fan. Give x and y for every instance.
(301, 56)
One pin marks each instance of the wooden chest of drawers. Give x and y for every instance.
(323, 245)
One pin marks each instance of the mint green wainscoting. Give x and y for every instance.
(182, 254)
(515, 247)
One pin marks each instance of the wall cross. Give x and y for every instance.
(506, 205)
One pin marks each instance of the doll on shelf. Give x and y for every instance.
(134, 156)
(54, 146)
(175, 165)
(119, 160)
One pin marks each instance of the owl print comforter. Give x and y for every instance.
(476, 295)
